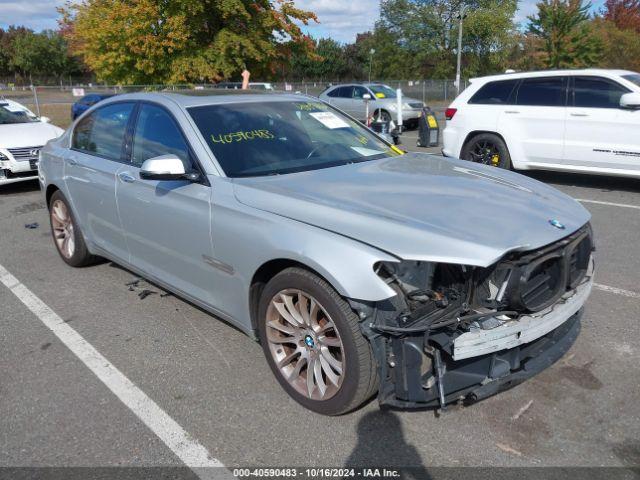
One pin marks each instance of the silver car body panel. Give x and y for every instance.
(422, 207)
(207, 241)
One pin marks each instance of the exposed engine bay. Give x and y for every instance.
(455, 332)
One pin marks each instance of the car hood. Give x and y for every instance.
(34, 134)
(422, 207)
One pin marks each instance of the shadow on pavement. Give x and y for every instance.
(20, 187)
(601, 182)
(381, 443)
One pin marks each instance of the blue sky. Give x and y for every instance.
(339, 19)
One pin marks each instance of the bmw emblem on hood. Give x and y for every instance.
(557, 224)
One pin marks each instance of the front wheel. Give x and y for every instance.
(66, 233)
(488, 149)
(314, 345)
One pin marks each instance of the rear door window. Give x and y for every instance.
(495, 93)
(543, 92)
(102, 132)
(597, 92)
(359, 92)
(346, 92)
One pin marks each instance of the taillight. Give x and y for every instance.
(450, 112)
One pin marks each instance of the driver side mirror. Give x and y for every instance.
(166, 167)
(630, 101)
(366, 97)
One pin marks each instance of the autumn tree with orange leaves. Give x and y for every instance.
(625, 14)
(178, 41)
(618, 28)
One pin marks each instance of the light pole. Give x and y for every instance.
(461, 17)
(371, 52)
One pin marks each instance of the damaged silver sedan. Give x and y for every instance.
(359, 268)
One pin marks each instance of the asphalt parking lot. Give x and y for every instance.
(213, 383)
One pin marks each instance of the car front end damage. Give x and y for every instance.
(18, 164)
(455, 332)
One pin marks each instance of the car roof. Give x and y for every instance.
(200, 98)
(360, 84)
(554, 73)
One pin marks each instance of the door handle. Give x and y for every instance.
(126, 177)
(511, 111)
(72, 161)
(579, 114)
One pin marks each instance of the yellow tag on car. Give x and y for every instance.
(431, 120)
(380, 95)
(397, 150)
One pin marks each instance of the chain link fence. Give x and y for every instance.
(55, 101)
(425, 90)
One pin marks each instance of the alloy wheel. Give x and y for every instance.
(485, 152)
(63, 228)
(305, 344)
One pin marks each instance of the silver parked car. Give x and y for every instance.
(358, 267)
(383, 103)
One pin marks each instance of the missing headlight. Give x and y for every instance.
(426, 291)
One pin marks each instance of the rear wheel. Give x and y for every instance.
(313, 343)
(67, 236)
(488, 149)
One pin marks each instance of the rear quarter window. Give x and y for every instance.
(495, 93)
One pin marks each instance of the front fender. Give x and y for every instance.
(245, 238)
(253, 238)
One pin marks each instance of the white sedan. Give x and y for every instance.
(573, 120)
(22, 135)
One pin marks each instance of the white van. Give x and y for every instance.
(572, 120)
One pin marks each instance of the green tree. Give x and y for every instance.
(328, 62)
(621, 46)
(156, 41)
(427, 30)
(390, 60)
(44, 54)
(7, 50)
(566, 39)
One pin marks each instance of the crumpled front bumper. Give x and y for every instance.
(480, 363)
(12, 170)
(524, 330)
(479, 377)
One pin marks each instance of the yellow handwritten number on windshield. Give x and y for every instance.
(242, 136)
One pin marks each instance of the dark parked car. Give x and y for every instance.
(86, 102)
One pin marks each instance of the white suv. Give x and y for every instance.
(574, 120)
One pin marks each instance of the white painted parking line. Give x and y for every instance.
(617, 291)
(189, 450)
(611, 204)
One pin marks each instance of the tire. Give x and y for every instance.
(488, 149)
(335, 323)
(66, 233)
